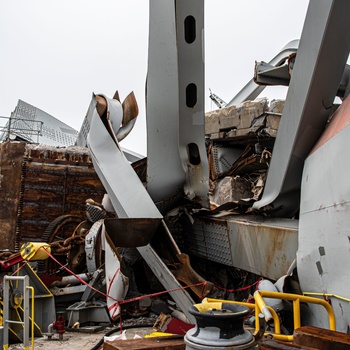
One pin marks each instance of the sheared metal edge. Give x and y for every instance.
(130, 200)
(123, 132)
(252, 90)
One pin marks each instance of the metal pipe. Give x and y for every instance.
(50, 328)
(302, 298)
(328, 295)
(32, 290)
(262, 306)
(283, 337)
(296, 313)
(72, 280)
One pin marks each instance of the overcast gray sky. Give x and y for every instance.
(54, 54)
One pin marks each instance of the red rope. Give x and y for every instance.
(19, 268)
(77, 277)
(125, 301)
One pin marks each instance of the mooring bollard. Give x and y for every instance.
(219, 326)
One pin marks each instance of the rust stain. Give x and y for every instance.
(40, 183)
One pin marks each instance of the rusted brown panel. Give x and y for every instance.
(276, 345)
(40, 183)
(321, 339)
(54, 189)
(11, 156)
(145, 344)
(70, 155)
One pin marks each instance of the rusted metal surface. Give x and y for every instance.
(163, 343)
(322, 339)
(312, 338)
(266, 247)
(10, 179)
(131, 232)
(276, 345)
(187, 275)
(40, 183)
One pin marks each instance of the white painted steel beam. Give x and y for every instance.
(128, 195)
(251, 90)
(322, 54)
(175, 101)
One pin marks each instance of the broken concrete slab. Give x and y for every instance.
(239, 116)
(251, 118)
(231, 189)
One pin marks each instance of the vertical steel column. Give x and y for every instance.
(175, 101)
(165, 176)
(190, 49)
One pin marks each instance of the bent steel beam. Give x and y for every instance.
(127, 193)
(323, 51)
(252, 90)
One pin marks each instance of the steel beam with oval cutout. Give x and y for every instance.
(175, 101)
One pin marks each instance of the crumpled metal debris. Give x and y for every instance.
(240, 144)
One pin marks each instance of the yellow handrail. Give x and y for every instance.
(329, 295)
(296, 298)
(270, 313)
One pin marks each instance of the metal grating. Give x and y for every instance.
(36, 126)
(217, 242)
(210, 241)
(195, 241)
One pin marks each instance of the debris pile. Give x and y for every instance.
(240, 140)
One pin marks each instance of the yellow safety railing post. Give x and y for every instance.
(33, 303)
(296, 313)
